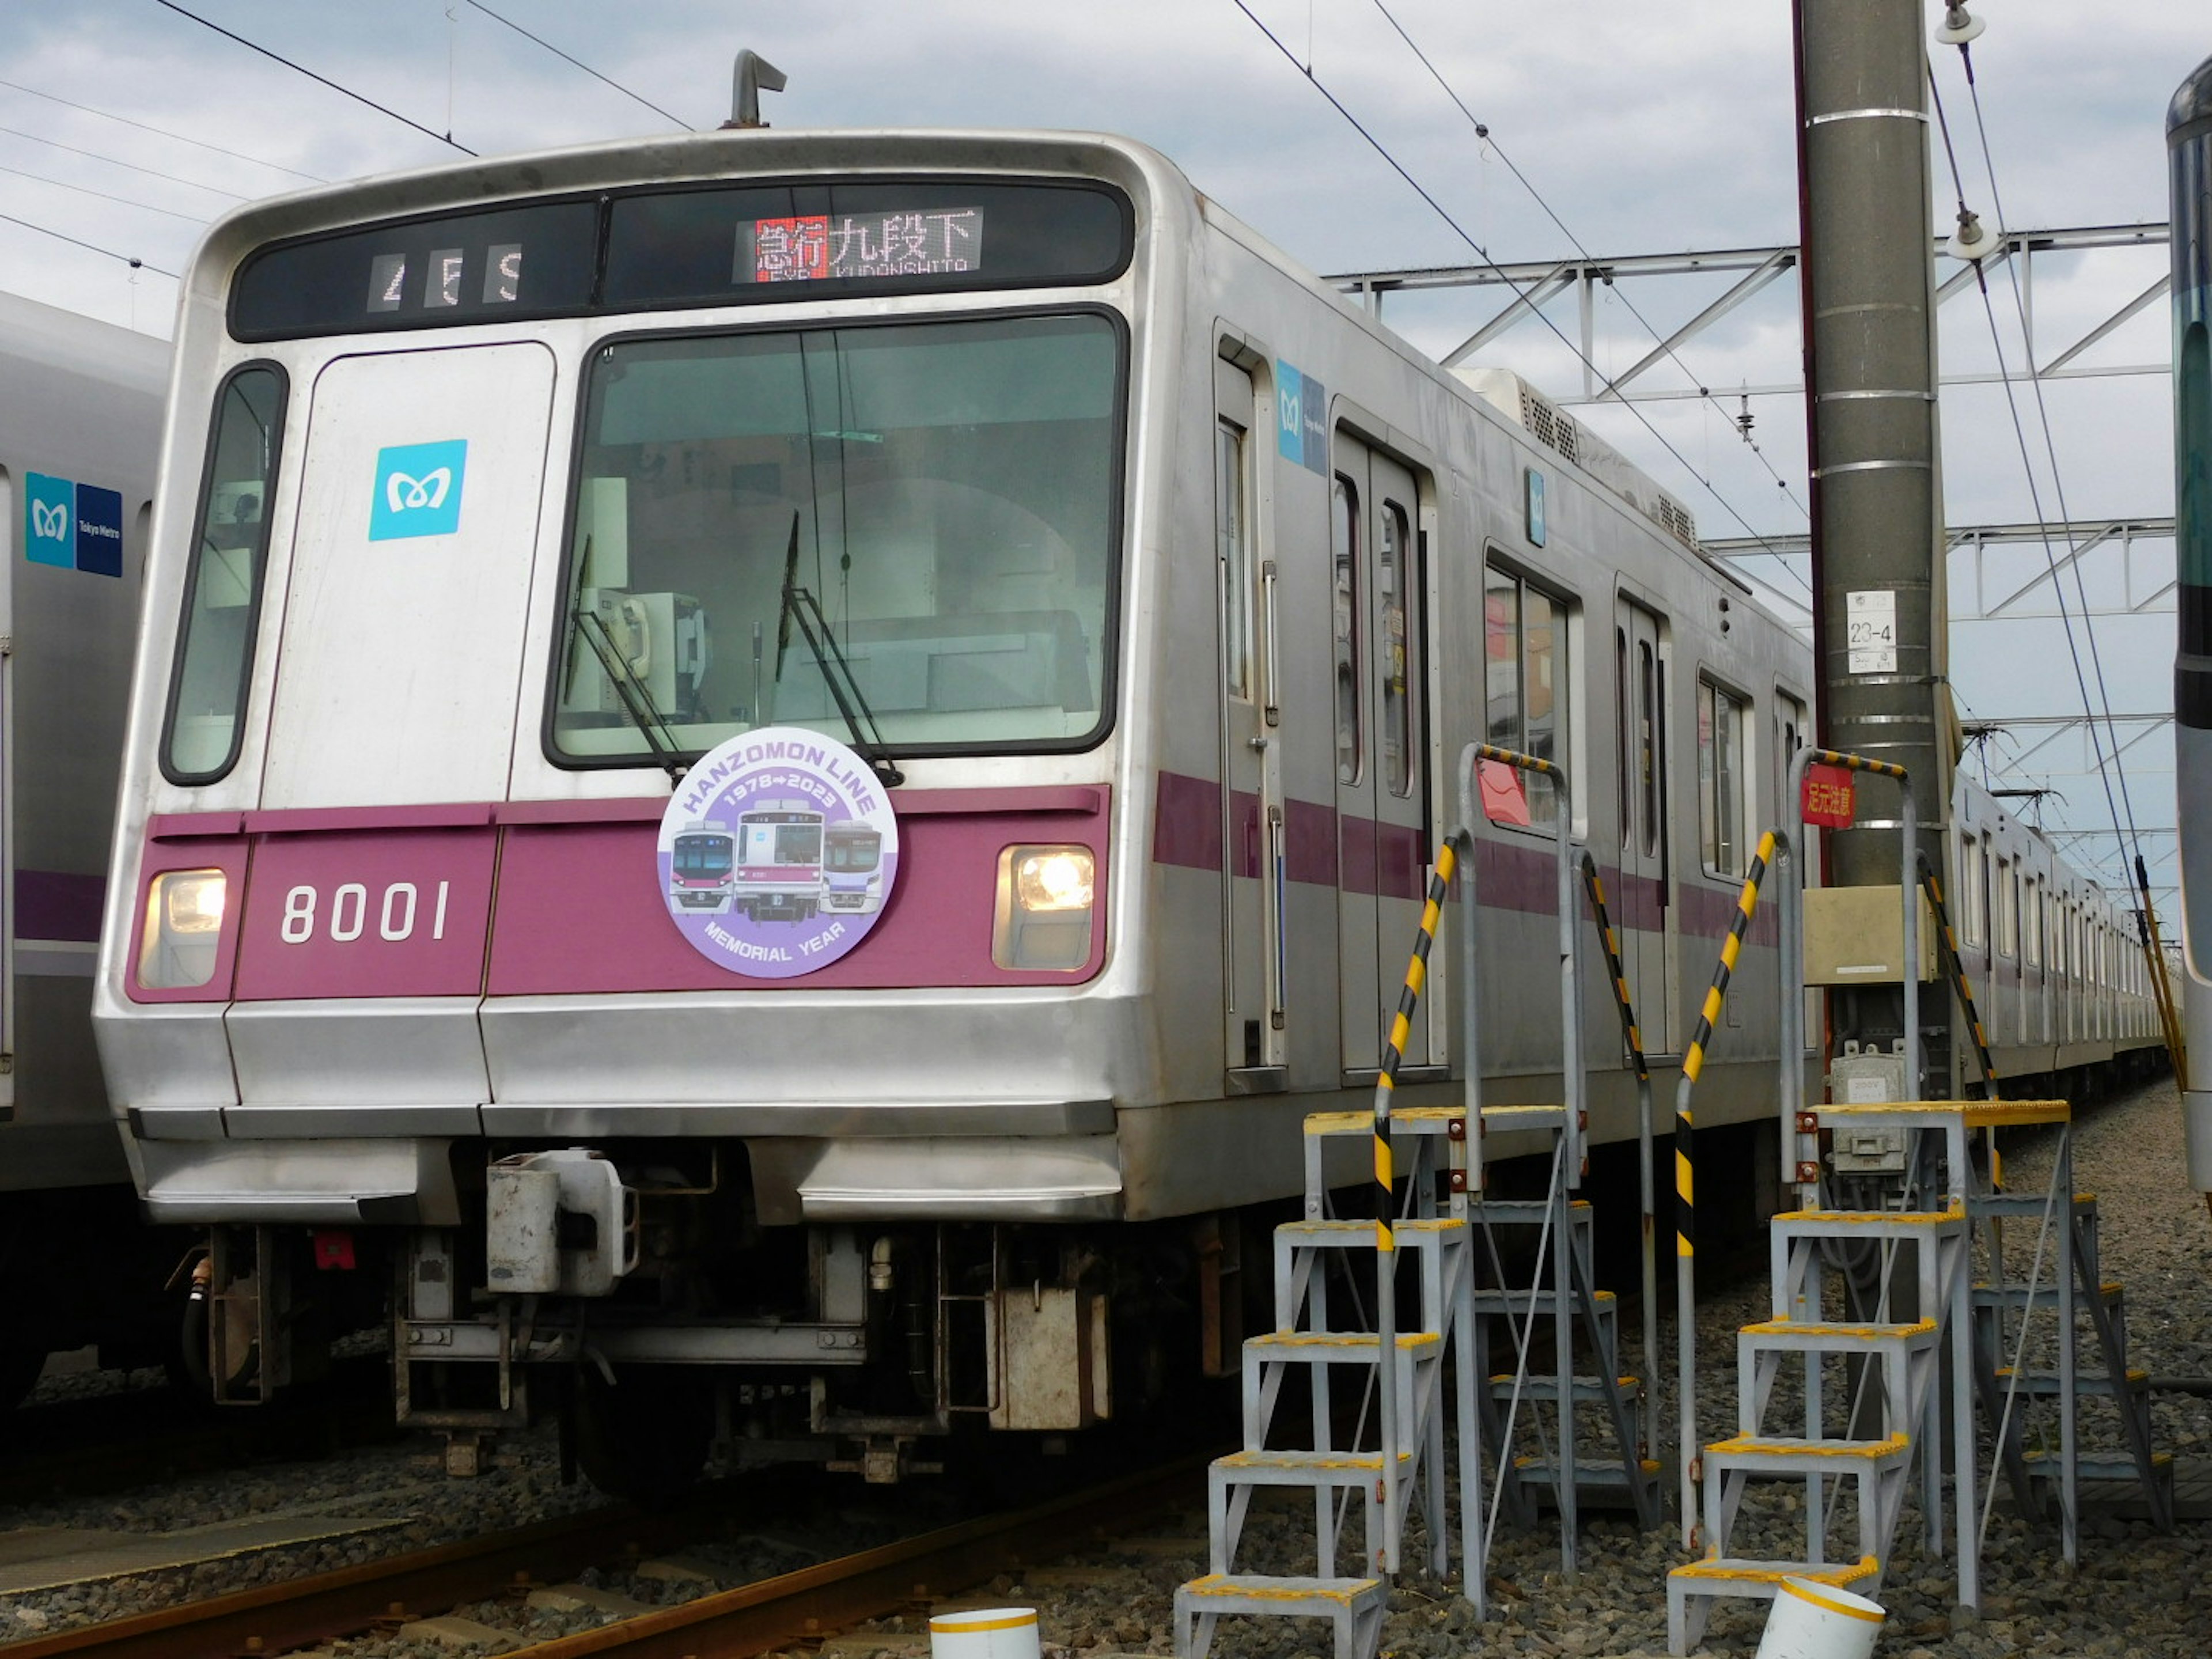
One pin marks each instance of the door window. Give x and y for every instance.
(1396, 574)
(1232, 544)
(1344, 564)
(1525, 689)
(1720, 778)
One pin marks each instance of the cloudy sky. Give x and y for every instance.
(1647, 125)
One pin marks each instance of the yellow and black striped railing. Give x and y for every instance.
(1401, 1028)
(1693, 1057)
(1623, 1001)
(1955, 967)
(1854, 763)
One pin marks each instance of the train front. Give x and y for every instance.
(621, 821)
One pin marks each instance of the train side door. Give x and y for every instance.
(1252, 870)
(1381, 790)
(1642, 912)
(409, 578)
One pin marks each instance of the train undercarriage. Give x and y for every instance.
(631, 1292)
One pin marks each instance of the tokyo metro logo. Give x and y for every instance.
(418, 490)
(71, 524)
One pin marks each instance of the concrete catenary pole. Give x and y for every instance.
(1869, 285)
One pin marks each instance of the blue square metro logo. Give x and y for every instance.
(418, 489)
(49, 520)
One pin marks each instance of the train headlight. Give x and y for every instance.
(1043, 917)
(184, 927)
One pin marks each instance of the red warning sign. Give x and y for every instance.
(1830, 797)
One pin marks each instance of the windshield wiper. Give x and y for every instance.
(634, 695)
(799, 606)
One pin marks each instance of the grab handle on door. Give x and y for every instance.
(1273, 709)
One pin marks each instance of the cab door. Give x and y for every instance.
(409, 578)
(1377, 627)
(1644, 895)
(1252, 869)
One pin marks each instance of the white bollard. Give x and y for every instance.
(1819, 1621)
(985, 1633)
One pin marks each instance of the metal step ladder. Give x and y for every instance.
(1874, 1469)
(1438, 1215)
(2043, 1461)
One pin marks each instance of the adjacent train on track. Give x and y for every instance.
(549, 546)
(80, 430)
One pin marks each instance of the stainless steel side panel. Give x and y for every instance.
(360, 1052)
(166, 1054)
(1065, 1179)
(954, 1046)
(333, 1182)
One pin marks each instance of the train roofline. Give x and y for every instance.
(672, 158)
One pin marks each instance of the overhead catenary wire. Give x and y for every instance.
(90, 247)
(128, 167)
(2051, 452)
(1482, 130)
(2034, 491)
(86, 189)
(636, 97)
(323, 79)
(160, 132)
(1483, 253)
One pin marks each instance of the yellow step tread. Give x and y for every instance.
(1336, 1339)
(1790, 1326)
(1755, 1444)
(1835, 1575)
(1874, 1218)
(1338, 1123)
(1255, 1588)
(1979, 1114)
(1306, 1459)
(1436, 1224)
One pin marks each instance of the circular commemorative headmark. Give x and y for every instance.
(777, 853)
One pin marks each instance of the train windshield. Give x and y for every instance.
(855, 854)
(915, 520)
(702, 855)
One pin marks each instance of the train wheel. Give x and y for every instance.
(646, 1436)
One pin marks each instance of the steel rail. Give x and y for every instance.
(302, 1611)
(817, 1601)
(756, 1617)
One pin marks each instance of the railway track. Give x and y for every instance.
(754, 1618)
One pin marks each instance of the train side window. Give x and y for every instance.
(1232, 542)
(2007, 910)
(1344, 564)
(204, 723)
(2031, 932)
(1393, 598)
(1525, 679)
(1720, 778)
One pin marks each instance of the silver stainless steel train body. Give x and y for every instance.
(1165, 577)
(79, 423)
(2059, 978)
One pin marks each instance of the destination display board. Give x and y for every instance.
(662, 248)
